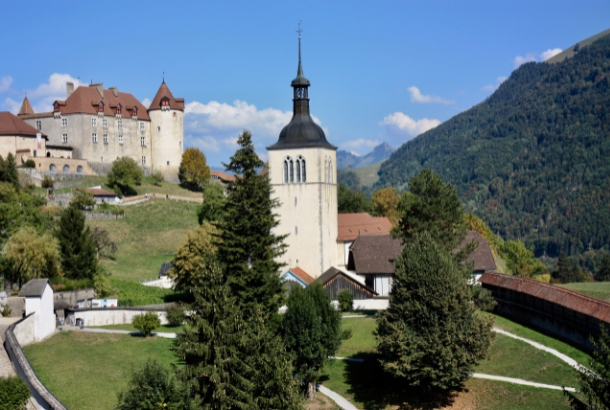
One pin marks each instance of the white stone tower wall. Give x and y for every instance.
(308, 211)
(167, 138)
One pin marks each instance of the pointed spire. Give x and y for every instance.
(300, 80)
(26, 107)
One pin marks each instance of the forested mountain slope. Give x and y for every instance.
(533, 160)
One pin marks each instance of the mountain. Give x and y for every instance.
(533, 159)
(380, 153)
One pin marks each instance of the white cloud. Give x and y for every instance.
(359, 145)
(493, 87)
(399, 123)
(550, 53)
(418, 97)
(146, 102)
(11, 105)
(43, 96)
(5, 83)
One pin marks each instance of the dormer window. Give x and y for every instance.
(56, 107)
(100, 108)
(119, 109)
(134, 112)
(165, 104)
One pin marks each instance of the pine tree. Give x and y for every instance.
(247, 248)
(10, 173)
(431, 334)
(566, 271)
(76, 244)
(603, 273)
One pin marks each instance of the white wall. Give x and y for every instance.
(25, 332)
(103, 317)
(371, 304)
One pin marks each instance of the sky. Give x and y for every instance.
(380, 71)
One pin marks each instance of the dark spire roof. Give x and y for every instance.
(302, 131)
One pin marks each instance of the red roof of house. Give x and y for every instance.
(174, 103)
(100, 192)
(352, 225)
(555, 294)
(10, 124)
(301, 274)
(222, 176)
(26, 107)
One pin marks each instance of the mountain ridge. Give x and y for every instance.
(380, 153)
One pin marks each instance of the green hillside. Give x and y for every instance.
(533, 160)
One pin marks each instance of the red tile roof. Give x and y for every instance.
(174, 103)
(26, 107)
(301, 274)
(352, 225)
(100, 192)
(10, 124)
(222, 176)
(85, 99)
(551, 293)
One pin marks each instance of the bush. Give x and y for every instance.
(157, 178)
(175, 315)
(29, 164)
(346, 300)
(6, 311)
(146, 322)
(47, 182)
(14, 393)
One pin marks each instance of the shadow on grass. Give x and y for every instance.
(376, 390)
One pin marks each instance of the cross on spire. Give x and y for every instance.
(299, 31)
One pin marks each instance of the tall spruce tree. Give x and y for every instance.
(603, 272)
(247, 247)
(9, 172)
(76, 245)
(431, 334)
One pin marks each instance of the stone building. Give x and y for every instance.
(20, 139)
(99, 125)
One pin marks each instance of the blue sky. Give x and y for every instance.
(381, 71)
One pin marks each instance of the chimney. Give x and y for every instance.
(69, 89)
(100, 88)
(114, 90)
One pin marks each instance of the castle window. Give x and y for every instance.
(66, 169)
(134, 111)
(120, 125)
(121, 139)
(64, 123)
(105, 123)
(102, 159)
(296, 230)
(164, 104)
(56, 106)
(143, 160)
(79, 169)
(168, 163)
(94, 122)
(141, 127)
(105, 138)
(158, 128)
(119, 109)
(328, 170)
(288, 170)
(301, 171)
(64, 138)
(38, 125)
(143, 141)
(94, 137)
(100, 108)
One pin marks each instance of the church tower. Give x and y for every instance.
(303, 174)
(166, 133)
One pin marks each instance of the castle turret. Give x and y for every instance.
(167, 132)
(26, 108)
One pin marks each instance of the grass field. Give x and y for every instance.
(149, 235)
(86, 370)
(129, 326)
(599, 290)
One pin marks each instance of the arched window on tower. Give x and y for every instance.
(328, 170)
(301, 170)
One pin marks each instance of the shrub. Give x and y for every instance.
(6, 311)
(175, 315)
(346, 300)
(146, 322)
(47, 182)
(157, 178)
(14, 393)
(29, 164)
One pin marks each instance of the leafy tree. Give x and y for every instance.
(213, 203)
(18, 209)
(247, 247)
(433, 206)
(76, 244)
(8, 171)
(101, 282)
(146, 322)
(125, 172)
(431, 334)
(193, 258)
(566, 271)
(521, 261)
(346, 300)
(175, 315)
(14, 393)
(82, 199)
(194, 170)
(47, 182)
(351, 201)
(385, 203)
(28, 255)
(103, 242)
(603, 273)
(311, 332)
(29, 164)
(157, 178)
(154, 387)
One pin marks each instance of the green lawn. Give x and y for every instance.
(149, 235)
(599, 290)
(86, 370)
(129, 326)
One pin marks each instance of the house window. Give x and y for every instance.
(64, 138)
(158, 128)
(38, 125)
(94, 122)
(121, 139)
(301, 171)
(143, 160)
(94, 137)
(168, 163)
(120, 125)
(143, 141)
(288, 170)
(64, 123)
(105, 138)
(102, 159)
(105, 123)
(141, 127)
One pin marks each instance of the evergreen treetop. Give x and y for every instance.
(76, 244)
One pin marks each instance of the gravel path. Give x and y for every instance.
(520, 381)
(339, 400)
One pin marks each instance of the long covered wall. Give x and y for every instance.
(566, 314)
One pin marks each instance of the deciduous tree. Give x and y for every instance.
(431, 334)
(351, 201)
(125, 172)
(82, 199)
(194, 170)
(213, 203)
(385, 203)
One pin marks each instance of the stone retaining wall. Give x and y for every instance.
(112, 316)
(14, 334)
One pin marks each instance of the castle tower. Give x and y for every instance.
(303, 174)
(26, 108)
(166, 132)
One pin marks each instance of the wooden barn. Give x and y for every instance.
(335, 280)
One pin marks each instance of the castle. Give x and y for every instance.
(100, 125)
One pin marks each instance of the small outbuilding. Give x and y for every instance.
(335, 280)
(103, 195)
(298, 276)
(38, 296)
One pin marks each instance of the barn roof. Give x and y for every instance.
(555, 294)
(375, 253)
(482, 256)
(352, 225)
(35, 287)
(331, 273)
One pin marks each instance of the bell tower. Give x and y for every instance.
(303, 174)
